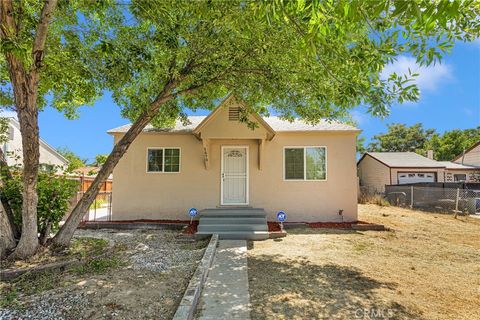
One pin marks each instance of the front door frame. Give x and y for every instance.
(247, 196)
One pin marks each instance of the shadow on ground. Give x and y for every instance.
(307, 230)
(297, 289)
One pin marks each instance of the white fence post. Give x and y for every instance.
(411, 196)
(456, 200)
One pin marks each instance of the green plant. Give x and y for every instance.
(74, 161)
(85, 247)
(9, 297)
(54, 195)
(99, 265)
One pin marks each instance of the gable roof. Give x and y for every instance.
(276, 123)
(466, 151)
(13, 121)
(271, 124)
(403, 160)
(227, 100)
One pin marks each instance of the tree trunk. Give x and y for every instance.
(65, 234)
(7, 241)
(5, 174)
(28, 119)
(44, 234)
(25, 82)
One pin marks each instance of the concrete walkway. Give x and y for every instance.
(225, 294)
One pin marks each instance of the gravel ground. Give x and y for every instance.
(150, 283)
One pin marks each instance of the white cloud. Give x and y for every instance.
(429, 79)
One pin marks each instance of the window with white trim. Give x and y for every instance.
(163, 160)
(305, 163)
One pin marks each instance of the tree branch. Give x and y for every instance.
(7, 21)
(41, 35)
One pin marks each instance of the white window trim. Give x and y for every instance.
(163, 159)
(305, 164)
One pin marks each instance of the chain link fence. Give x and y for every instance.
(454, 200)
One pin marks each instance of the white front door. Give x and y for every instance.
(234, 175)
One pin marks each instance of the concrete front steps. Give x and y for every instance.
(234, 223)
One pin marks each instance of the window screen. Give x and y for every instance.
(305, 163)
(294, 164)
(163, 160)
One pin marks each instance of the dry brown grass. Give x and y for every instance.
(427, 267)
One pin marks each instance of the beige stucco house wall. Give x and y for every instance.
(138, 194)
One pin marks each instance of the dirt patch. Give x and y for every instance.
(426, 267)
(144, 277)
(80, 247)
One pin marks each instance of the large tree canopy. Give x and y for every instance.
(66, 80)
(445, 146)
(401, 138)
(452, 143)
(310, 59)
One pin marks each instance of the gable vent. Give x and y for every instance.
(234, 113)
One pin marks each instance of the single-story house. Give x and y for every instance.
(457, 172)
(216, 161)
(377, 169)
(12, 148)
(465, 166)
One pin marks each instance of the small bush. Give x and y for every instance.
(54, 195)
(369, 198)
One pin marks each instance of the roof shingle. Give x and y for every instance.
(276, 123)
(405, 160)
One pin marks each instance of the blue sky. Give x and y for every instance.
(450, 99)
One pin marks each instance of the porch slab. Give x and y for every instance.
(225, 294)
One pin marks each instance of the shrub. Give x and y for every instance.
(373, 198)
(54, 195)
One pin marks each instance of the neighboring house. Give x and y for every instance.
(308, 171)
(464, 167)
(13, 148)
(377, 169)
(471, 156)
(457, 172)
